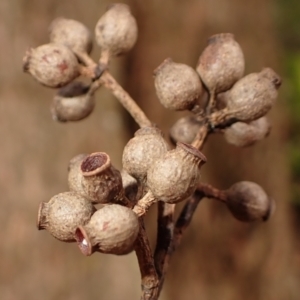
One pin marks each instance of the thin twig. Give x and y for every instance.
(200, 137)
(146, 263)
(211, 192)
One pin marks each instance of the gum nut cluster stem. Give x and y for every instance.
(53, 65)
(178, 86)
(247, 202)
(73, 102)
(175, 176)
(72, 34)
(112, 229)
(243, 134)
(147, 145)
(63, 214)
(116, 31)
(221, 63)
(250, 98)
(100, 181)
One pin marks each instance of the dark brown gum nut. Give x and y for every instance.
(185, 130)
(175, 176)
(243, 134)
(221, 63)
(63, 214)
(142, 151)
(72, 34)
(248, 202)
(72, 103)
(116, 31)
(112, 229)
(75, 175)
(53, 65)
(101, 182)
(178, 86)
(130, 186)
(253, 95)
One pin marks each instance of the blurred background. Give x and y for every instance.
(220, 258)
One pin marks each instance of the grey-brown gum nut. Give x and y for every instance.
(185, 130)
(253, 95)
(175, 176)
(53, 65)
(221, 63)
(72, 34)
(142, 151)
(116, 31)
(178, 86)
(113, 229)
(101, 182)
(72, 107)
(248, 202)
(75, 175)
(63, 214)
(243, 134)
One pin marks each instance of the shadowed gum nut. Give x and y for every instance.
(72, 34)
(113, 229)
(67, 107)
(221, 63)
(243, 134)
(253, 95)
(178, 86)
(116, 31)
(63, 214)
(248, 202)
(101, 182)
(175, 176)
(142, 151)
(53, 65)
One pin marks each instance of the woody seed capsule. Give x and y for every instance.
(221, 63)
(63, 214)
(243, 134)
(116, 31)
(72, 34)
(178, 86)
(72, 103)
(53, 65)
(142, 151)
(248, 202)
(175, 176)
(112, 229)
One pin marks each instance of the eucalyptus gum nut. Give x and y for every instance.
(248, 202)
(75, 175)
(175, 176)
(112, 229)
(116, 31)
(221, 63)
(63, 214)
(72, 34)
(53, 65)
(185, 130)
(101, 182)
(130, 186)
(72, 103)
(243, 134)
(253, 95)
(178, 86)
(142, 151)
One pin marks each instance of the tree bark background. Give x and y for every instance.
(219, 258)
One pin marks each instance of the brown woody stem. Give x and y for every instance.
(146, 264)
(211, 192)
(200, 137)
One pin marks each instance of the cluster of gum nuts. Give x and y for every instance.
(219, 98)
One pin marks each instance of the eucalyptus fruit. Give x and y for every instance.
(112, 229)
(72, 103)
(63, 214)
(53, 65)
(72, 34)
(116, 31)
(178, 86)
